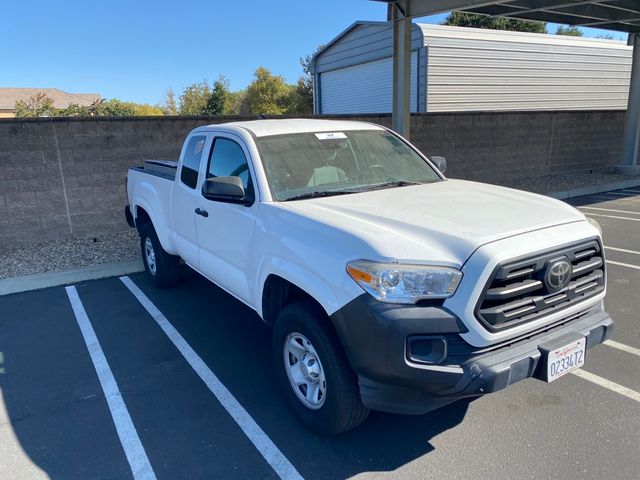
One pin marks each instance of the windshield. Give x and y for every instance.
(306, 165)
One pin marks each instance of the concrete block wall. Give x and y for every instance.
(497, 146)
(62, 178)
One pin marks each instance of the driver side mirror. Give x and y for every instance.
(440, 163)
(223, 189)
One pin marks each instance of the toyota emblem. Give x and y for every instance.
(558, 274)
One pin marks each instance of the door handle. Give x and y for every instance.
(204, 213)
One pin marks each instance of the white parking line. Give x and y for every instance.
(608, 384)
(623, 347)
(610, 210)
(612, 216)
(133, 449)
(620, 264)
(274, 457)
(623, 250)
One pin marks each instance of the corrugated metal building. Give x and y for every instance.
(462, 69)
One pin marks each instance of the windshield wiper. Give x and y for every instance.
(394, 183)
(328, 193)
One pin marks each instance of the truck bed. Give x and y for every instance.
(160, 168)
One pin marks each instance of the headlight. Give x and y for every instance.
(397, 283)
(595, 224)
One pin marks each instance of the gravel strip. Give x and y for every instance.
(70, 254)
(568, 181)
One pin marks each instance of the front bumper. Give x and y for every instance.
(375, 336)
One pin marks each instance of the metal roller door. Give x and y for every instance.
(364, 88)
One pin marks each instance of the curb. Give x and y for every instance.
(55, 279)
(578, 192)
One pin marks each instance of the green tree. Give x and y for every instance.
(147, 110)
(301, 98)
(462, 19)
(218, 103)
(169, 105)
(194, 99)
(236, 104)
(41, 105)
(75, 110)
(109, 108)
(569, 30)
(38, 105)
(267, 94)
(605, 36)
(305, 62)
(113, 108)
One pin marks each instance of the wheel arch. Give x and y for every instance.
(278, 293)
(141, 218)
(285, 280)
(144, 214)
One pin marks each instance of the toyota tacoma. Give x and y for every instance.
(388, 286)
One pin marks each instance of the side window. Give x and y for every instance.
(227, 160)
(191, 160)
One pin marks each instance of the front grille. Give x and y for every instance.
(517, 292)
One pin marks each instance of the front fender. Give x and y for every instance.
(331, 294)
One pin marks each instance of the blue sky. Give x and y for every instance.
(135, 50)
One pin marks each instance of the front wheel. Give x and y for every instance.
(162, 268)
(313, 371)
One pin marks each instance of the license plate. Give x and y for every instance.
(565, 359)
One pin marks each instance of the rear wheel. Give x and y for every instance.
(313, 371)
(161, 267)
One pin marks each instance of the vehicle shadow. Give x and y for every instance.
(236, 345)
(384, 443)
(606, 197)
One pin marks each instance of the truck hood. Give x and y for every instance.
(438, 223)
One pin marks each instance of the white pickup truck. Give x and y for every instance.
(388, 286)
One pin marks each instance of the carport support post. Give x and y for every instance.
(400, 118)
(631, 142)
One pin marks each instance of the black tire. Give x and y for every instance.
(167, 267)
(342, 409)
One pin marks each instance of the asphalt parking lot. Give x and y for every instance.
(111, 377)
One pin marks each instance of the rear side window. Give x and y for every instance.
(228, 160)
(191, 160)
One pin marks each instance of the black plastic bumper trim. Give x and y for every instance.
(375, 335)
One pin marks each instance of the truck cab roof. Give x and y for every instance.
(263, 128)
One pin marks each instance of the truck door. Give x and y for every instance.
(185, 195)
(225, 230)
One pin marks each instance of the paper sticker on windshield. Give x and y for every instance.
(330, 135)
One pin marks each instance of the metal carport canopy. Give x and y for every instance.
(619, 15)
